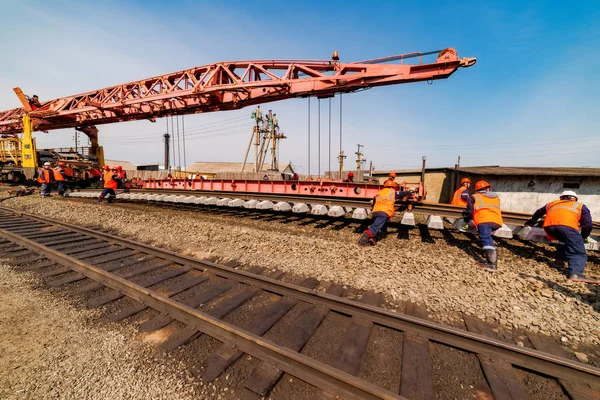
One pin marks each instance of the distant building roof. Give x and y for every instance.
(531, 171)
(407, 171)
(125, 164)
(217, 167)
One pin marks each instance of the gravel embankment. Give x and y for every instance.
(49, 349)
(526, 293)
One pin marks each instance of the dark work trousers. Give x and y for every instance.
(486, 229)
(60, 187)
(379, 220)
(573, 250)
(108, 192)
(46, 189)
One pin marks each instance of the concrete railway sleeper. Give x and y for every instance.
(320, 206)
(142, 272)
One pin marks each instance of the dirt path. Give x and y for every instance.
(49, 349)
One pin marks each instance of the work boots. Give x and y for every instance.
(363, 241)
(491, 260)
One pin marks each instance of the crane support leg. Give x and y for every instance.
(28, 151)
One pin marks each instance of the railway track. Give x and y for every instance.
(104, 269)
(439, 209)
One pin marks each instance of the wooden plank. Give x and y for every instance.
(205, 296)
(351, 349)
(95, 286)
(416, 380)
(264, 377)
(113, 295)
(576, 391)
(227, 354)
(194, 279)
(39, 265)
(125, 263)
(185, 335)
(499, 374)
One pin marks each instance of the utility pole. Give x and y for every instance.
(359, 161)
(257, 115)
(167, 142)
(76, 137)
(341, 160)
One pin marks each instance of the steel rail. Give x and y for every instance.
(303, 367)
(440, 209)
(555, 366)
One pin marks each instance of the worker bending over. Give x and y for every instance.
(45, 177)
(110, 179)
(562, 222)
(461, 195)
(383, 210)
(483, 208)
(59, 177)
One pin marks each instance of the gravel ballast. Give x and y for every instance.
(50, 349)
(525, 293)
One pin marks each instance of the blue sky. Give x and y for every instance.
(531, 99)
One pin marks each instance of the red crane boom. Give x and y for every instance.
(227, 86)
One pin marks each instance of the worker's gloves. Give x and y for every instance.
(464, 226)
(586, 240)
(529, 222)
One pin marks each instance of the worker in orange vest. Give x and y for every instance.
(391, 178)
(59, 177)
(570, 222)
(122, 174)
(383, 210)
(350, 177)
(45, 177)
(111, 180)
(483, 208)
(461, 195)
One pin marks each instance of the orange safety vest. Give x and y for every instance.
(44, 176)
(486, 209)
(121, 174)
(109, 182)
(57, 175)
(385, 200)
(563, 212)
(68, 171)
(457, 199)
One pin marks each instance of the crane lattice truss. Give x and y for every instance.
(227, 86)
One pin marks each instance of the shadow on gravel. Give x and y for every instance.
(527, 249)
(588, 299)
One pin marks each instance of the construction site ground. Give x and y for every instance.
(435, 268)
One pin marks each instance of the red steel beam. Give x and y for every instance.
(228, 86)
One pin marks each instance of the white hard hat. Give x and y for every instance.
(47, 163)
(569, 193)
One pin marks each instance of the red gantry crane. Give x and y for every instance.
(214, 87)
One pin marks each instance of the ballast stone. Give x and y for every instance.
(223, 202)
(319, 209)
(199, 200)
(408, 218)
(435, 222)
(282, 206)
(301, 208)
